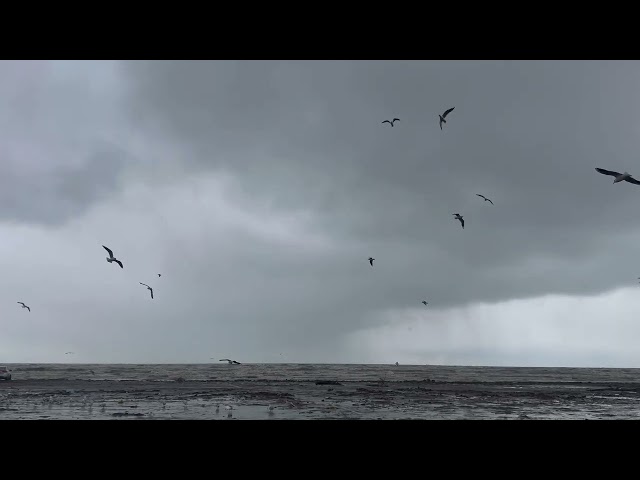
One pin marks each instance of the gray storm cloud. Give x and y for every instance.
(527, 134)
(58, 151)
(259, 190)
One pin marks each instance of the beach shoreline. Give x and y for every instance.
(273, 399)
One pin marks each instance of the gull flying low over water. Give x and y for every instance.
(24, 306)
(444, 115)
(459, 217)
(231, 362)
(148, 288)
(391, 122)
(485, 198)
(111, 258)
(371, 259)
(619, 177)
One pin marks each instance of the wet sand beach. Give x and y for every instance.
(272, 392)
(301, 400)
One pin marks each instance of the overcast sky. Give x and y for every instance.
(259, 190)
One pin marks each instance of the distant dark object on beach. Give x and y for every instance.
(327, 382)
(127, 414)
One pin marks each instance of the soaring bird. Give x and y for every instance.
(69, 353)
(148, 288)
(619, 177)
(111, 258)
(485, 198)
(392, 121)
(159, 275)
(371, 259)
(459, 217)
(231, 362)
(444, 115)
(425, 303)
(24, 306)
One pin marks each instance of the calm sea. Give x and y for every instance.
(309, 372)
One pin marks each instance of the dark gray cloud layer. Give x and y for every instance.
(303, 143)
(59, 154)
(526, 134)
(53, 197)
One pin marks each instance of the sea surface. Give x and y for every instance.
(312, 391)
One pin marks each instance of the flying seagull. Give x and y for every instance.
(444, 115)
(159, 275)
(619, 176)
(24, 306)
(231, 362)
(485, 198)
(69, 353)
(371, 259)
(148, 288)
(425, 303)
(459, 217)
(111, 258)
(392, 121)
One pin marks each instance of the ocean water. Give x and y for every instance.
(300, 391)
(310, 372)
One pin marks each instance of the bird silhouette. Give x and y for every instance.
(24, 306)
(459, 217)
(619, 177)
(111, 258)
(148, 288)
(485, 198)
(444, 115)
(231, 362)
(391, 122)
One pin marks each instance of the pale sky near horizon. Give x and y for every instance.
(259, 189)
